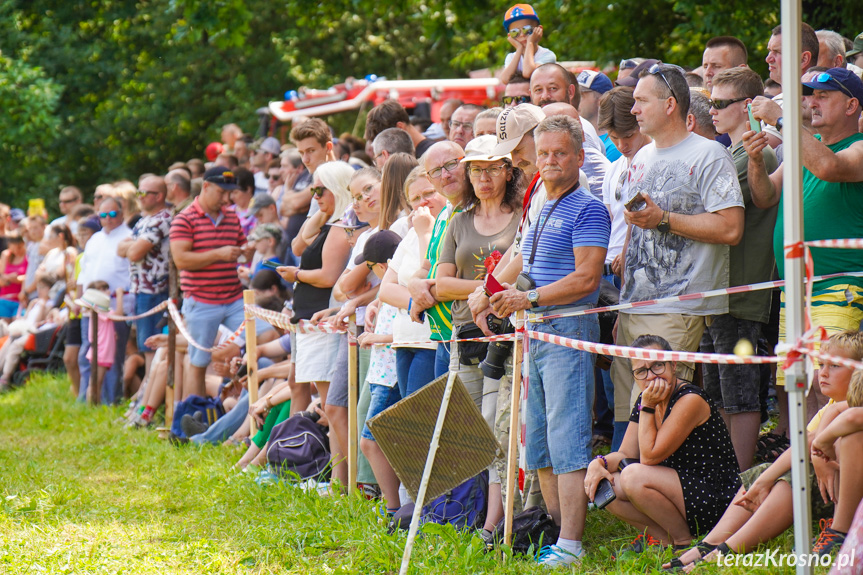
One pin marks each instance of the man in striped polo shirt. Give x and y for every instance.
(206, 241)
(562, 256)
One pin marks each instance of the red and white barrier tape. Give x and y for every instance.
(651, 354)
(847, 244)
(158, 309)
(178, 321)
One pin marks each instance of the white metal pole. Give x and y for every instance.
(424, 482)
(795, 379)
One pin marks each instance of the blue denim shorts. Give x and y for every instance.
(203, 321)
(382, 398)
(146, 326)
(559, 412)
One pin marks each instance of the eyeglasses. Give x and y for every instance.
(825, 78)
(492, 171)
(657, 367)
(516, 32)
(619, 190)
(111, 214)
(450, 167)
(454, 125)
(142, 193)
(318, 191)
(515, 100)
(722, 104)
(657, 70)
(627, 64)
(67, 201)
(365, 193)
(422, 197)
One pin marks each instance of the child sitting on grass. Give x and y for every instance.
(524, 33)
(762, 508)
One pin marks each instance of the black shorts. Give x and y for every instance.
(73, 332)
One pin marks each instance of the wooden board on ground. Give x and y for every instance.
(404, 432)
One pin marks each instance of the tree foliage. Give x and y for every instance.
(97, 90)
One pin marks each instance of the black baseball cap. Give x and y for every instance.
(222, 177)
(379, 248)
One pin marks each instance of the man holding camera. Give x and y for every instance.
(562, 258)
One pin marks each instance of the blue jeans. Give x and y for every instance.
(415, 368)
(146, 326)
(441, 359)
(559, 413)
(226, 425)
(203, 321)
(382, 397)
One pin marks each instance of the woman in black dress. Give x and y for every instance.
(686, 473)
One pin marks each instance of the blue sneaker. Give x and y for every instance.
(554, 556)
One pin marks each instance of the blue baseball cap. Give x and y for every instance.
(596, 81)
(836, 79)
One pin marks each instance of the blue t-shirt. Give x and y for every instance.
(611, 151)
(580, 220)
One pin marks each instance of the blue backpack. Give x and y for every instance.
(211, 409)
(464, 507)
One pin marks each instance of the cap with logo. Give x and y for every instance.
(519, 12)
(513, 123)
(222, 177)
(836, 79)
(595, 81)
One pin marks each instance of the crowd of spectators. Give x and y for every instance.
(665, 181)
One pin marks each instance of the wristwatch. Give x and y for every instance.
(533, 298)
(779, 123)
(664, 225)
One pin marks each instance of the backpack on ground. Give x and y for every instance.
(299, 445)
(210, 409)
(464, 507)
(532, 526)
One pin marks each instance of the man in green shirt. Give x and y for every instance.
(735, 388)
(446, 173)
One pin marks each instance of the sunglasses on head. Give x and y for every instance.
(722, 104)
(515, 100)
(526, 30)
(111, 214)
(826, 78)
(318, 191)
(656, 70)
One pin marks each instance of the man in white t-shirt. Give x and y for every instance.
(685, 209)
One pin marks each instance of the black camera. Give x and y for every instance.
(493, 364)
(312, 415)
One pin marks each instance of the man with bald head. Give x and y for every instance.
(147, 252)
(446, 173)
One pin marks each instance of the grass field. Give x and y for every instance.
(80, 494)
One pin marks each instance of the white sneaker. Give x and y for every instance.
(554, 556)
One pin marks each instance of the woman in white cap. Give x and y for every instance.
(475, 241)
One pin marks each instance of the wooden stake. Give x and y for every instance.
(353, 395)
(173, 294)
(251, 355)
(512, 453)
(95, 390)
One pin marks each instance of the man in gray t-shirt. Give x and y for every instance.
(688, 209)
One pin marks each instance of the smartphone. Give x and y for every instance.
(604, 494)
(636, 203)
(491, 285)
(754, 124)
(271, 264)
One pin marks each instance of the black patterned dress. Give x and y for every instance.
(705, 463)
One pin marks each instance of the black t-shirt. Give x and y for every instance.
(424, 145)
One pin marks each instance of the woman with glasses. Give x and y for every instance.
(473, 245)
(321, 264)
(680, 471)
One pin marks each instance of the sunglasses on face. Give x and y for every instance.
(722, 104)
(111, 214)
(526, 31)
(318, 191)
(515, 100)
(66, 201)
(450, 167)
(142, 193)
(826, 78)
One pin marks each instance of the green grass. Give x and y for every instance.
(80, 494)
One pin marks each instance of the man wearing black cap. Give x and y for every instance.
(206, 242)
(832, 194)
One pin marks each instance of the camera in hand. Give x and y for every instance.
(493, 364)
(313, 415)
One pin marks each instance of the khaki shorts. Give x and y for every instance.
(683, 332)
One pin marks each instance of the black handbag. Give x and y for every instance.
(471, 352)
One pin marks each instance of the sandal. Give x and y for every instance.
(770, 446)
(676, 564)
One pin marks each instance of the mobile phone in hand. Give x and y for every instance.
(636, 203)
(754, 124)
(604, 494)
(271, 264)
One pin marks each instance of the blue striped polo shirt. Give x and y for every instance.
(580, 220)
